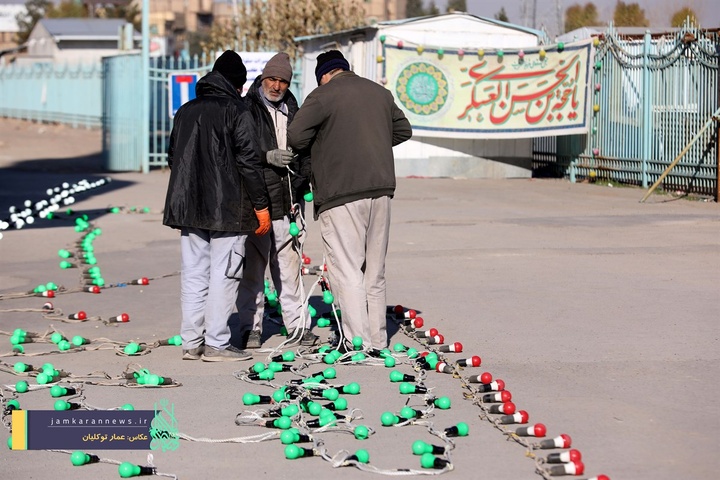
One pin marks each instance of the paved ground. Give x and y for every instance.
(599, 313)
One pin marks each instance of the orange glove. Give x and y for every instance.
(263, 217)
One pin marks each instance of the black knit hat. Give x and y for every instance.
(329, 61)
(230, 65)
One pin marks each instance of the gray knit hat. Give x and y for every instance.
(279, 67)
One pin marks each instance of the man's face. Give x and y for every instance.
(274, 88)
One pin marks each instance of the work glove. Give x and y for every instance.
(279, 157)
(263, 217)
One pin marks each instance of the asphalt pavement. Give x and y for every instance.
(598, 312)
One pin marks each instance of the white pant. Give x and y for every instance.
(355, 240)
(207, 295)
(282, 252)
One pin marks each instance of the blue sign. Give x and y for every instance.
(181, 89)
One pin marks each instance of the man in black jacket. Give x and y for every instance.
(216, 196)
(350, 124)
(273, 107)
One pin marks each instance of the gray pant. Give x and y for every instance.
(283, 254)
(207, 295)
(355, 240)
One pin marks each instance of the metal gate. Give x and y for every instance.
(651, 97)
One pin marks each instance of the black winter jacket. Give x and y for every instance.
(276, 179)
(215, 171)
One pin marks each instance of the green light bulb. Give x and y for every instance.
(58, 391)
(266, 375)
(314, 408)
(20, 367)
(407, 388)
(51, 286)
(328, 298)
(18, 349)
(293, 229)
(323, 322)
(443, 403)
(43, 378)
(362, 456)
(308, 197)
(56, 337)
(290, 411)
(357, 342)
(330, 358)
(340, 404)
(175, 340)
(13, 404)
(331, 394)
(396, 376)
(351, 388)
(282, 423)
(62, 253)
(293, 451)
(131, 348)
(288, 437)
(313, 312)
(65, 264)
(388, 419)
(9, 443)
(62, 405)
(127, 407)
(428, 460)
(329, 373)
(64, 345)
(419, 447)
(78, 341)
(358, 357)
(275, 367)
(127, 470)
(399, 347)
(272, 297)
(278, 395)
(408, 413)
(21, 386)
(361, 432)
(288, 356)
(389, 362)
(79, 458)
(258, 367)
(250, 399)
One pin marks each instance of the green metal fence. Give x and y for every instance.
(48, 92)
(651, 98)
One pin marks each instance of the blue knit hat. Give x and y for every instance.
(329, 61)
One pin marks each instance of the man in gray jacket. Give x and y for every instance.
(350, 124)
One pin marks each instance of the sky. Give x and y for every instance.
(658, 12)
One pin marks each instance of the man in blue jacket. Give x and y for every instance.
(350, 124)
(216, 196)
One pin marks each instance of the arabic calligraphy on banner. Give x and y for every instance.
(496, 94)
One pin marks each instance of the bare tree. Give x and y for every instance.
(577, 16)
(271, 25)
(678, 18)
(629, 15)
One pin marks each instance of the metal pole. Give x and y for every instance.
(717, 129)
(145, 92)
(713, 118)
(646, 111)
